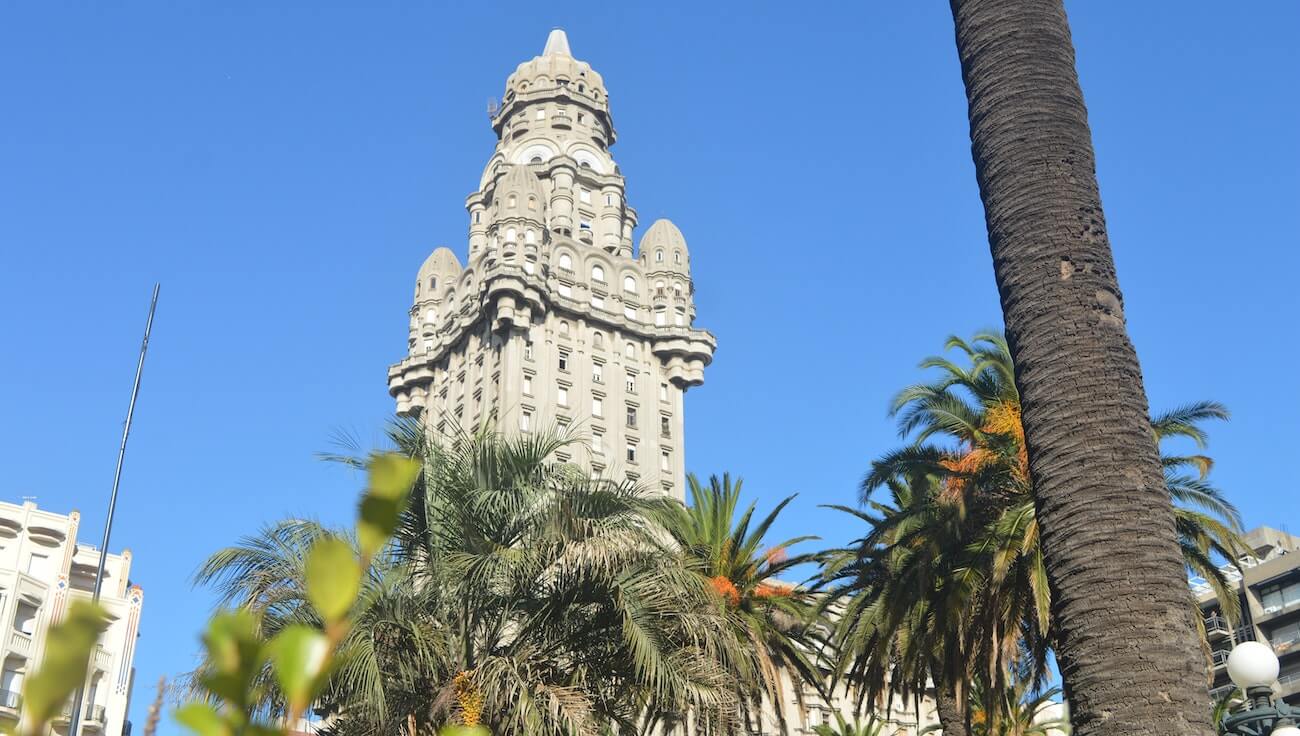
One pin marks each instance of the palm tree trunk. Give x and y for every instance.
(1128, 645)
(952, 717)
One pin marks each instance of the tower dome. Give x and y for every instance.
(664, 247)
(519, 193)
(556, 68)
(438, 273)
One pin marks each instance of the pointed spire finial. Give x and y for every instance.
(557, 44)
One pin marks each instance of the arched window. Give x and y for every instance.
(478, 217)
(659, 256)
(598, 340)
(532, 203)
(564, 327)
(585, 164)
(629, 350)
(510, 235)
(677, 290)
(430, 316)
(629, 284)
(597, 273)
(433, 283)
(659, 288)
(566, 261)
(535, 160)
(512, 200)
(530, 236)
(677, 256)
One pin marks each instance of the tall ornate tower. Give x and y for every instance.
(554, 319)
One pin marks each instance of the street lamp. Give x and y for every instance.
(1253, 667)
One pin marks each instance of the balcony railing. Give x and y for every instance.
(1220, 658)
(91, 714)
(1217, 626)
(103, 659)
(1289, 645)
(20, 643)
(10, 699)
(1222, 691)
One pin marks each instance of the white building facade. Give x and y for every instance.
(555, 319)
(42, 570)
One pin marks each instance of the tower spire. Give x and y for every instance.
(557, 44)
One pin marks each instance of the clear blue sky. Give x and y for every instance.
(283, 169)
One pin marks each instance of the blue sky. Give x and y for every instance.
(283, 169)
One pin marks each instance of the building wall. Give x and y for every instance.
(42, 570)
(1268, 592)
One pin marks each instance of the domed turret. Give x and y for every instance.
(439, 273)
(554, 69)
(664, 248)
(519, 193)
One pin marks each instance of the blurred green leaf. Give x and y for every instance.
(333, 578)
(203, 720)
(391, 476)
(301, 656)
(464, 731)
(235, 655)
(68, 646)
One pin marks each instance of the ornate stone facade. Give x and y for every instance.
(555, 318)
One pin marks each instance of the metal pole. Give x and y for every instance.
(75, 719)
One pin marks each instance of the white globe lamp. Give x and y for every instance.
(1288, 729)
(1253, 665)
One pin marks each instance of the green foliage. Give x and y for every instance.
(245, 657)
(68, 647)
(844, 727)
(948, 583)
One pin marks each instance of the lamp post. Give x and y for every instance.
(1253, 667)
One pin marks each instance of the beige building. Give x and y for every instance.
(1268, 589)
(42, 569)
(555, 318)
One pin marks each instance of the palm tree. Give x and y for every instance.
(776, 621)
(1019, 712)
(519, 593)
(1108, 532)
(844, 727)
(955, 551)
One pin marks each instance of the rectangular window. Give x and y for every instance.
(584, 196)
(562, 395)
(528, 350)
(664, 427)
(584, 224)
(38, 566)
(541, 113)
(665, 461)
(598, 443)
(1285, 638)
(564, 361)
(663, 392)
(630, 383)
(631, 416)
(566, 290)
(25, 617)
(629, 312)
(598, 301)
(597, 373)
(597, 407)
(631, 452)
(526, 421)
(609, 200)
(661, 318)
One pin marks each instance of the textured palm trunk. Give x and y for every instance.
(952, 717)
(1128, 646)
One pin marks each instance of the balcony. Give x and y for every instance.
(20, 643)
(1283, 647)
(103, 659)
(10, 700)
(92, 716)
(1222, 691)
(1219, 657)
(1273, 612)
(1217, 627)
(1289, 684)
